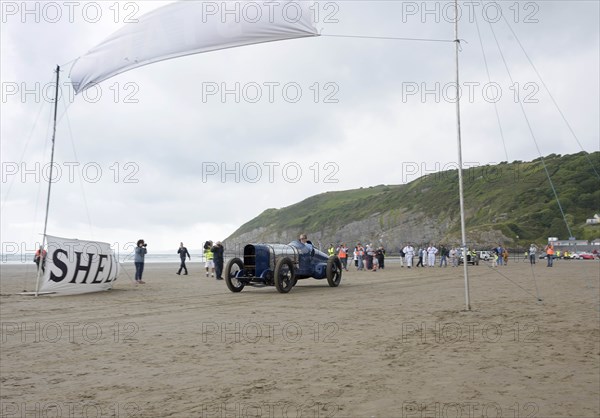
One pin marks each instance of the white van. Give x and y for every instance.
(484, 255)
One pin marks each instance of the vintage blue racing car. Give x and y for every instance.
(281, 265)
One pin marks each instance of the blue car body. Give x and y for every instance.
(281, 265)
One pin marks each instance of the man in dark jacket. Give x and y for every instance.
(218, 251)
(183, 252)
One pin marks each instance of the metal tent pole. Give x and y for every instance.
(37, 285)
(460, 164)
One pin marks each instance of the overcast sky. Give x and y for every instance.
(142, 155)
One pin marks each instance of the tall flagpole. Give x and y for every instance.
(42, 261)
(460, 164)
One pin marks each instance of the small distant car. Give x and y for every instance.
(281, 265)
(586, 256)
(472, 258)
(484, 255)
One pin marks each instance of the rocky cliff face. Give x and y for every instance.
(499, 209)
(392, 229)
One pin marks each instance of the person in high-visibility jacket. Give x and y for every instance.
(331, 250)
(208, 258)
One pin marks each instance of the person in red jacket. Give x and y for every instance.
(40, 258)
(550, 254)
(343, 255)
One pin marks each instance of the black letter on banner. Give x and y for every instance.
(112, 261)
(79, 267)
(60, 264)
(100, 267)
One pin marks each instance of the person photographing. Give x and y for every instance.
(140, 254)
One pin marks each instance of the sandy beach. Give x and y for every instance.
(392, 343)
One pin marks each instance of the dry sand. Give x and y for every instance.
(387, 344)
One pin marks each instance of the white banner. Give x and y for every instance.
(73, 266)
(190, 27)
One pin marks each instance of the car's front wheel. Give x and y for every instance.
(284, 275)
(233, 267)
(334, 271)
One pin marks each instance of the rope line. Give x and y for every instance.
(515, 283)
(122, 268)
(502, 136)
(26, 146)
(37, 205)
(537, 292)
(87, 210)
(487, 70)
(533, 135)
(390, 38)
(552, 97)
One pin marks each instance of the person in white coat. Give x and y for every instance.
(431, 252)
(409, 253)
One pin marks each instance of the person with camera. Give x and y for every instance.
(140, 253)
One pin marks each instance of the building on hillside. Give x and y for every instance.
(572, 245)
(593, 221)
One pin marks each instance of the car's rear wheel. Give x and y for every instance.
(334, 271)
(233, 267)
(284, 275)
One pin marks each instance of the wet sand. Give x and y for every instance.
(392, 343)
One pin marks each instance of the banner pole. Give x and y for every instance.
(43, 260)
(460, 164)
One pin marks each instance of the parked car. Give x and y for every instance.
(472, 258)
(586, 256)
(484, 255)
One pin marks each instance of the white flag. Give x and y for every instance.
(190, 27)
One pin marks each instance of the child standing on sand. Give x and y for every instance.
(375, 262)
